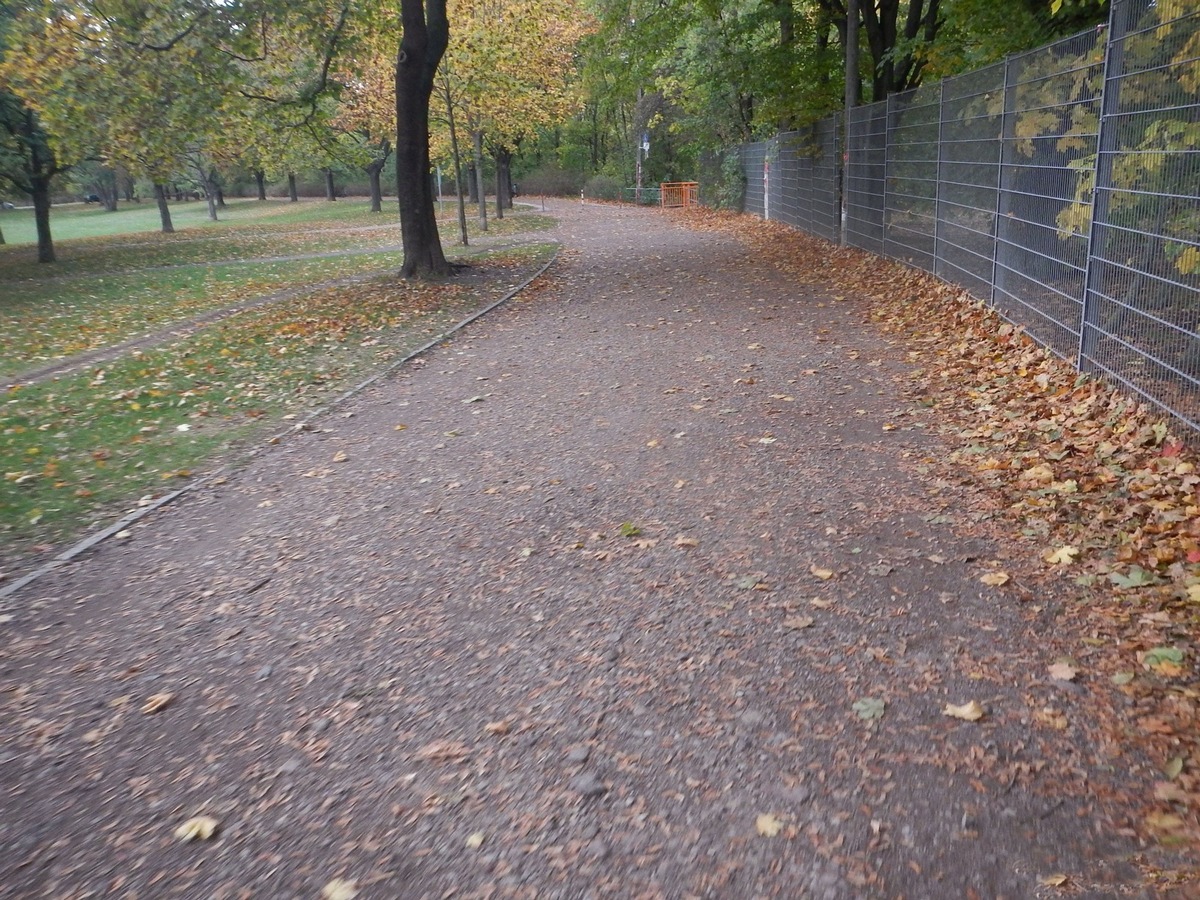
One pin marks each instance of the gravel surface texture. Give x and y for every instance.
(627, 591)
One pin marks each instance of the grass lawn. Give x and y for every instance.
(81, 449)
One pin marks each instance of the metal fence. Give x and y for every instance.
(1062, 186)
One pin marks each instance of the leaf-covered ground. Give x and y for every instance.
(1090, 482)
(664, 580)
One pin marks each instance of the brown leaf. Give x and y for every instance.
(157, 702)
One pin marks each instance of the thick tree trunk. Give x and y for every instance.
(426, 33)
(373, 171)
(220, 197)
(164, 211)
(472, 182)
(330, 191)
(210, 197)
(2, 241)
(293, 197)
(127, 188)
(41, 217)
(260, 181)
(503, 159)
(480, 193)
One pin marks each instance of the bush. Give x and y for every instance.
(602, 187)
(551, 179)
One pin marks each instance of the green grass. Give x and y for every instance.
(76, 451)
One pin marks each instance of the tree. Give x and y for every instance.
(29, 163)
(423, 42)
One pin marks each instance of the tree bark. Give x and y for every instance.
(425, 36)
(41, 217)
(472, 182)
(458, 173)
(164, 211)
(260, 180)
(481, 194)
(330, 191)
(503, 158)
(293, 197)
(374, 170)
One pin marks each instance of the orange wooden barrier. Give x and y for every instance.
(680, 193)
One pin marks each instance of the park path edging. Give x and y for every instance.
(87, 543)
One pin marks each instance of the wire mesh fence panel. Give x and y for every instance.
(972, 120)
(866, 175)
(754, 158)
(773, 184)
(826, 167)
(1143, 301)
(1051, 120)
(910, 207)
(806, 170)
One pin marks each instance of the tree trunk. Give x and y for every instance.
(164, 211)
(41, 217)
(330, 192)
(2, 241)
(481, 195)
(220, 197)
(373, 171)
(503, 159)
(210, 197)
(127, 188)
(472, 182)
(458, 173)
(426, 33)
(293, 197)
(260, 180)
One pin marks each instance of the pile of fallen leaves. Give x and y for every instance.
(1091, 479)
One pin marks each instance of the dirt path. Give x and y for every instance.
(626, 592)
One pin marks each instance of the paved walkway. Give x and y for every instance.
(626, 592)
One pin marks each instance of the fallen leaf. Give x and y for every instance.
(1062, 671)
(747, 582)
(498, 727)
(1122, 678)
(155, 703)
(1062, 556)
(340, 456)
(1173, 768)
(869, 708)
(798, 622)
(682, 541)
(1053, 880)
(767, 825)
(968, 712)
(823, 574)
(475, 399)
(628, 529)
(994, 579)
(475, 841)
(340, 889)
(197, 828)
(819, 603)
(1162, 656)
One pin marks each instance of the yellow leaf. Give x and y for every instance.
(682, 541)
(1062, 556)
(475, 841)
(1193, 593)
(995, 579)
(340, 889)
(767, 825)
(823, 574)
(197, 828)
(340, 456)
(968, 712)
(1053, 880)
(798, 622)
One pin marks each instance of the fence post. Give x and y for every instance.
(1105, 146)
(1005, 112)
(889, 113)
(937, 186)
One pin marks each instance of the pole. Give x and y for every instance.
(853, 98)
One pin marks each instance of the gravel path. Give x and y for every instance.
(582, 606)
